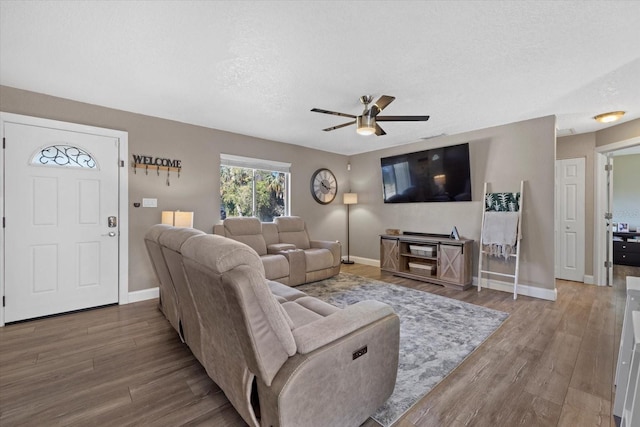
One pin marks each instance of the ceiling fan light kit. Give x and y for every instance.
(366, 125)
(366, 122)
(609, 117)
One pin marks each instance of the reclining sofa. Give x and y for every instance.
(288, 254)
(281, 357)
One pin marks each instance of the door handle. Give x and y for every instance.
(110, 234)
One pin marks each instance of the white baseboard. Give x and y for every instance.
(526, 290)
(365, 261)
(144, 294)
(588, 280)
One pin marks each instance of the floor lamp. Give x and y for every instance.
(349, 199)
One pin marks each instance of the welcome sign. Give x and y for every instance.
(156, 161)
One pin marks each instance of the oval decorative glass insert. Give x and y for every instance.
(64, 156)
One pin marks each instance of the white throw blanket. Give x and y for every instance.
(500, 232)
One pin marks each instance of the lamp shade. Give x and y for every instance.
(178, 218)
(167, 217)
(350, 198)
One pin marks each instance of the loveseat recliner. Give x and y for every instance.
(287, 252)
(282, 358)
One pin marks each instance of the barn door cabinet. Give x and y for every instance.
(434, 258)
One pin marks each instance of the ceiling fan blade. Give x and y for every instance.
(379, 131)
(339, 126)
(381, 104)
(318, 110)
(402, 118)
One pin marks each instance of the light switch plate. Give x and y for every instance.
(149, 203)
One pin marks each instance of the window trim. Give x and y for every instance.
(251, 163)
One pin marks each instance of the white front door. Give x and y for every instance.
(570, 219)
(62, 225)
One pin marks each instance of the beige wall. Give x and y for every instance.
(582, 146)
(626, 190)
(197, 188)
(502, 155)
(618, 133)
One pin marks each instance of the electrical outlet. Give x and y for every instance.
(149, 203)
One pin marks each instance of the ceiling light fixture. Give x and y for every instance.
(609, 117)
(366, 125)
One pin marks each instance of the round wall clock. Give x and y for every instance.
(324, 186)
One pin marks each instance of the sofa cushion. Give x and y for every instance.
(175, 237)
(317, 306)
(155, 231)
(270, 233)
(292, 230)
(220, 254)
(280, 247)
(247, 230)
(283, 292)
(299, 315)
(318, 259)
(275, 266)
(306, 309)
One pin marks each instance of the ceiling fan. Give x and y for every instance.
(366, 122)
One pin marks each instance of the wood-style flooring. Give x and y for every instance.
(550, 364)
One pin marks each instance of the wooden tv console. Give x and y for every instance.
(434, 258)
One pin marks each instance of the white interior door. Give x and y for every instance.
(62, 231)
(570, 219)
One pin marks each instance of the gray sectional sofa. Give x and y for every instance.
(289, 255)
(281, 357)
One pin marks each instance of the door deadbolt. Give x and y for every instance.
(112, 222)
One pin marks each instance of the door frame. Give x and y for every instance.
(600, 196)
(123, 190)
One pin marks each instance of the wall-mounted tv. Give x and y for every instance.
(436, 175)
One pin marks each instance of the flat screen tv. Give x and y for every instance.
(436, 175)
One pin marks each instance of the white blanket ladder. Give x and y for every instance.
(515, 254)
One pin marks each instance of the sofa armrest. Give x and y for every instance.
(364, 382)
(276, 248)
(219, 230)
(297, 265)
(339, 324)
(334, 246)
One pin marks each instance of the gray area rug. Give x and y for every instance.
(436, 333)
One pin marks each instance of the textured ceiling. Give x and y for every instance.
(258, 67)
